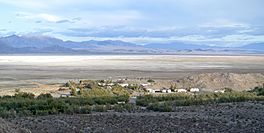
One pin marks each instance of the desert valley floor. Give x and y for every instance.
(47, 73)
(26, 71)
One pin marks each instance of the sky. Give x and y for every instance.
(211, 22)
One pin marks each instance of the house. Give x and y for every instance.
(193, 90)
(157, 91)
(65, 95)
(110, 84)
(164, 91)
(124, 85)
(101, 84)
(123, 102)
(150, 90)
(121, 80)
(219, 91)
(154, 90)
(144, 85)
(181, 90)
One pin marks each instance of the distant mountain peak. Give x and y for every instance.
(47, 44)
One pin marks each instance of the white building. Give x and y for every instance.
(164, 91)
(124, 85)
(181, 90)
(219, 91)
(110, 84)
(149, 90)
(193, 90)
(68, 94)
(101, 84)
(144, 85)
(155, 90)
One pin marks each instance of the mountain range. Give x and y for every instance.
(47, 45)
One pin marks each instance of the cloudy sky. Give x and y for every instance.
(211, 22)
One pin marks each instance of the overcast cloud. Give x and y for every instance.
(212, 22)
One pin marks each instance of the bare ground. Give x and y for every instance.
(40, 74)
(246, 117)
(7, 127)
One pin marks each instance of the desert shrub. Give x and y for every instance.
(43, 96)
(150, 80)
(21, 105)
(198, 99)
(17, 90)
(97, 92)
(118, 108)
(258, 90)
(88, 84)
(228, 90)
(145, 100)
(160, 107)
(71, 84)
(24, 95)
(133, 87)
(100, 108)
(119, 90)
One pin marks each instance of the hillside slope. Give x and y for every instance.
(215, 81)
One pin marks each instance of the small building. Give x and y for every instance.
(144, 85)
(124, 85)
(182, 90)
(193, 90)
(219, 91)
(164, 91)
(157, 91)
(150, 90)
(101, 84)
(65, 95)
(110, 84)
(154, 90)
(122, 102)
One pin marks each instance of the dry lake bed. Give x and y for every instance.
(25, 71)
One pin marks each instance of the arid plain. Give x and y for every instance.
(30, 71)
(45, 74)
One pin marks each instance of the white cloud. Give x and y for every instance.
(53, 4)
(25, 3)
(220, 23)
(104, 18)
(41, 16)
(48, 17)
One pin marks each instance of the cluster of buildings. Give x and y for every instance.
(164, 90)
(146, 86)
